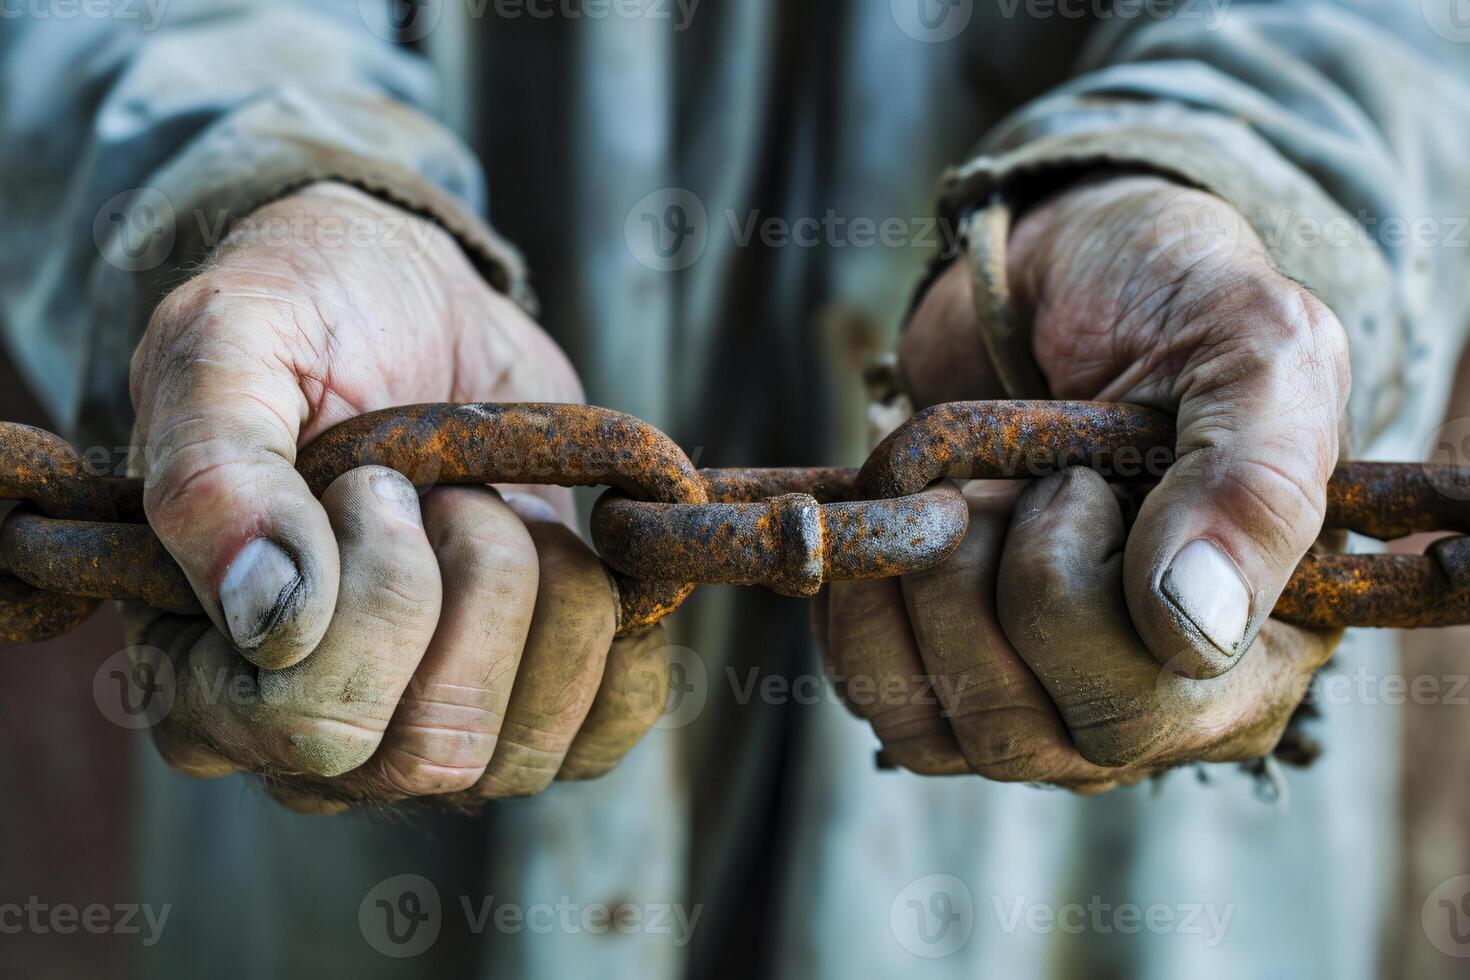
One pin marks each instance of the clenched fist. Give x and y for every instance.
(378, 643)
(1059, 645)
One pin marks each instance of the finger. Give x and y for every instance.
(1064, 611)
(1258, 420)
(561, 667)
(941, 354)
(631, 698)
(1093, 788)
(218, 421)
(161, 642)
(1275, 675)
(1003, 719)
(881, 678)
(326, 715)
(444, 731)
(303, 801)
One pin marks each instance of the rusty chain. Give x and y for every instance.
(78, 538)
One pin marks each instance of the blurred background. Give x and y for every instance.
(90, 815)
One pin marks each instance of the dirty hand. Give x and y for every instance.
(1062, 646)
(376, 644)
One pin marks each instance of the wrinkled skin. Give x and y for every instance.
(1050, 648)
(385, 644)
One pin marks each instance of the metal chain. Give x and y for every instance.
(79, 538)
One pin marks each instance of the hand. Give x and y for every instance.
(1057, 645)
(377, 644)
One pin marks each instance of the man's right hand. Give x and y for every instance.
(376, 644)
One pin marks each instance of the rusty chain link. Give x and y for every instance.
(78, 538)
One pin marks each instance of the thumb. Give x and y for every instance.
(1261, 400)
(219, 414)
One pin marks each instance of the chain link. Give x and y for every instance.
(78, 538)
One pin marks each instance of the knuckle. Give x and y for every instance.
(1306, 322)
(593, 756)
(304, 799)
(191, 475)
(1000, 745)
(325, 746)
(353, 490)
(480, 553)
(440, 741)
(562, 559)
(926, 757)
(518, 770)
(1289, 506)
(1279, 316)
(915, 717)
(188, 755)
(186, 304)
(1262, 742)
(1020, 768)
(403, 596)
(319, 725)
(1114, 750)
(574, 598)
(1092, 788)
(410, 774)
(177, 330)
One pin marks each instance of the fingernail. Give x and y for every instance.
(1207, 588)
(400, 495)
(256, 589)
